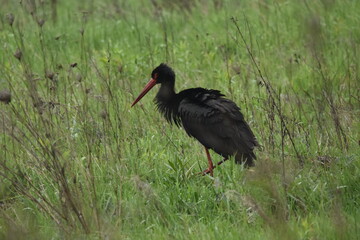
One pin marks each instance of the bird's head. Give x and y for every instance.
(161, 74)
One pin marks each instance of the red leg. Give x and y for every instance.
(210, 169)
(211, 165)
(222, 161)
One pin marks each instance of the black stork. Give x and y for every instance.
(216, 122)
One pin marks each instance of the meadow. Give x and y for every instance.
(76, 162)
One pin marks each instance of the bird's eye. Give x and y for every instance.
(156, 76)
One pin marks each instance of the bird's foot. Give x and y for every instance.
(211, 168)
(207, 171)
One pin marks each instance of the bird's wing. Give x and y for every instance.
(216, 122)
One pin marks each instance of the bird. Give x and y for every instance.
(206, 115)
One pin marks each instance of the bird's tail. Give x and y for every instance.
(246, 158)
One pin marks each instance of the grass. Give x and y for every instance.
(76, 162)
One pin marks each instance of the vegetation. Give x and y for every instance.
(76, 162)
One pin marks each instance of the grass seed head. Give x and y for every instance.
(41, 22)
(120, 68)
(10, 19)
(18, 54)
(104, 114)
(59, 67)
(78, 77)
(5, 96)
(50, 75)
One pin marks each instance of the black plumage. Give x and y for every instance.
(216, 122)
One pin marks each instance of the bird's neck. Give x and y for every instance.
(167, 103)
(166, 92)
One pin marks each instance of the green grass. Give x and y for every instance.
(76, 162)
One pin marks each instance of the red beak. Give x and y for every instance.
(147, 88)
